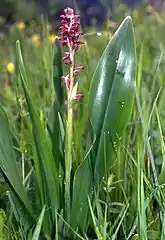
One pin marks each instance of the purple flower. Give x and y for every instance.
(79, 96)
(70, 32)
(66, 80)
(70, 38)
(67, 58)
(77, 70)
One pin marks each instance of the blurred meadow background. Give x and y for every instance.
(134, 193)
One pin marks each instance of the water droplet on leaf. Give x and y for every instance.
(120, 73)
(122, 104)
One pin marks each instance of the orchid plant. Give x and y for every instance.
(67, 188)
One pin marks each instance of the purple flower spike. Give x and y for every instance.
(70, 38)
(70, 32)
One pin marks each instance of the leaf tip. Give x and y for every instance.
(57, 42)
(127, 21)
(17, 42)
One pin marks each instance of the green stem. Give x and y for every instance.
(68, 159)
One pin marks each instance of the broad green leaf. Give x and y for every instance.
(111, 97)
(46, 164)
(110, 104)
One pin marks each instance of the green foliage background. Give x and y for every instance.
(133, 193)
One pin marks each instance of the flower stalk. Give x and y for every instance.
(69, 38)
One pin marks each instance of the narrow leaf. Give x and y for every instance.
(47, 165)
(8, 163)
(58, 72)
(37, 230)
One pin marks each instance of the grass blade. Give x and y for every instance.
(48, 172)
(37, 230)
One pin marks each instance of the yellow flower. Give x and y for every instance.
(36, 40)
(10, 67)
(20, 25)
(149, 9)
(52, 38)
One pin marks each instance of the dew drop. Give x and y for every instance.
(105, 189)
(93, 190)
(115, 146)
(99, 34)
(122, 104)
(120, 73)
